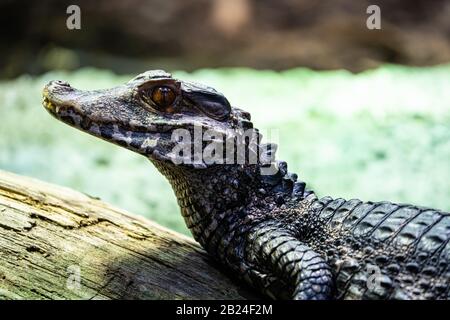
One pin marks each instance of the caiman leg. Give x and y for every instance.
(268, 257)
(307, 274)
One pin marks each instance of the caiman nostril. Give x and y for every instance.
(62, 83)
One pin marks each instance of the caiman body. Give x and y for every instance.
(266, 228)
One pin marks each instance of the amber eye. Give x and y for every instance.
(163, 97)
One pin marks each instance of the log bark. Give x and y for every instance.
(56, 243)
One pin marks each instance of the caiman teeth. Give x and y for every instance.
(87, 123)
(49, 106)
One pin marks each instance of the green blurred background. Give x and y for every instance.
(381, 133)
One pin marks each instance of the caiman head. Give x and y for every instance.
(143, 114)
(208, 150)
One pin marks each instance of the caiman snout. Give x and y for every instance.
(57, 92)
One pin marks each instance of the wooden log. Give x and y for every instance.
(56, 243)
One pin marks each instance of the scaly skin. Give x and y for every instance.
(267, 229)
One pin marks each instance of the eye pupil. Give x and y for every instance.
(163, 97)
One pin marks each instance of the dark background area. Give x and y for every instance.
(133, 35)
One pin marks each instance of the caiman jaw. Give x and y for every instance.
(95, 112)
(142, 114)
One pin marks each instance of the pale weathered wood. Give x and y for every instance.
(48, 233)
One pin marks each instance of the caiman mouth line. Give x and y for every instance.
(58, 110)
(85, 123)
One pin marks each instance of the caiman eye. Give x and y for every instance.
(163, 97)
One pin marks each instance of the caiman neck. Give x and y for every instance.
(205, 195)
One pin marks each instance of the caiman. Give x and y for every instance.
(254, 217)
